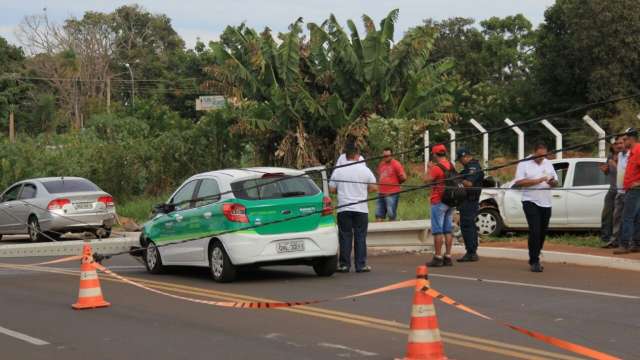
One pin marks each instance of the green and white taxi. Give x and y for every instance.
(235, 215)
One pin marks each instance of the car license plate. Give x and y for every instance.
(83, 206)
(290, 246)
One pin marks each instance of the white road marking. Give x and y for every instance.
(23, 337)
(342, 347)
(548, 287)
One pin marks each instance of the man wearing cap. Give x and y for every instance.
(472, 177)
(441, 213)
(630, 230)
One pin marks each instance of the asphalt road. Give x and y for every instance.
(596, 307)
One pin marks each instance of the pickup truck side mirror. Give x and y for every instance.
(163, 209)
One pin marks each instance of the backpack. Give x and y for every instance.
(454, 191)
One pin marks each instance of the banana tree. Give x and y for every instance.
(300, 96)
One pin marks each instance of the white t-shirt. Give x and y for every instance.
(350, 192)
(623, 159)
(532, 170)
(342, 159)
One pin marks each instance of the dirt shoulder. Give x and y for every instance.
(549, 246)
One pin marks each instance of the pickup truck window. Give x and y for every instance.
(588, 174)
(562, 169)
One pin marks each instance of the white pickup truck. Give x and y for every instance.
(577, 202)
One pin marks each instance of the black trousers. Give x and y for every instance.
(468, 212)
(606, 230)
(538, 220)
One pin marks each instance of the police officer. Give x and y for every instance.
(473, 177)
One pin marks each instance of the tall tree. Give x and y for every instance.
(11, 90)
(589, 50)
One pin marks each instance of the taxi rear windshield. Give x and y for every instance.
(274, 187)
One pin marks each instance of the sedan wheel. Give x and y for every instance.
(152, 259)
(34, 229)
(222, 270)
(489, 222)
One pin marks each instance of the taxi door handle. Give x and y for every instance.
(179, 218)
(557, 196)
(207, 215)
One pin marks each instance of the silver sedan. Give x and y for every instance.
(46, 208)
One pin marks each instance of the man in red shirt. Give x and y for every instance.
(630, 239)
(390, 175)
(441, 213)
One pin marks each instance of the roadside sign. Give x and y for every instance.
(207, 103)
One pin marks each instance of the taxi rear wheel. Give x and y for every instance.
(326, 266)
(222, 270)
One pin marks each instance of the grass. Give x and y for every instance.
(573, 239)
(139, 208)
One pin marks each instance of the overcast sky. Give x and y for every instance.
(206, 19)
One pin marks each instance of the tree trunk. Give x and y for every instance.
(12, 128)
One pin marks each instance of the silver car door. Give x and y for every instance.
(9, 220)
(24, 206)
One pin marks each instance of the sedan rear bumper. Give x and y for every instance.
(78, 222)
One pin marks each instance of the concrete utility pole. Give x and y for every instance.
(520, 134)
(12, 128)
(485, 142)
(426, 150)
(557, 134)
(452, 137)
(602, 147)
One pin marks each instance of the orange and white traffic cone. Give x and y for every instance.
(90, 293)
(424, 335)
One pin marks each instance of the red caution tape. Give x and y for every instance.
(566, 345)
(56, 261)
(256, 304)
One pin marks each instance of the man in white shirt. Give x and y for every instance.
(536, 176)
(352, 184)
(342, 159)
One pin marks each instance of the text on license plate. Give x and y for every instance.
(83, 206)
(290, 246)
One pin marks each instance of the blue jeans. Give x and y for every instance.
(468, 212)
(387, 206)
(630, 226)
(352, 229)
(441, 219)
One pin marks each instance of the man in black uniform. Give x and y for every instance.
(473, 177)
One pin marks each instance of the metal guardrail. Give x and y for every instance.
(407, 234)
(415, 234)
(66, 248)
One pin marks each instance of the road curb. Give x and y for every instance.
(557, 257)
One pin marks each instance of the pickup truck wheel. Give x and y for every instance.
(489, 222)
(325, 267)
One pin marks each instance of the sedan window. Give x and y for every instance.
(12, 194)
(182, 199)
(208, 193)
(69, 185)
(588, 174)
(28, 192)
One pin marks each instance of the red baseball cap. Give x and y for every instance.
(439, 149)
